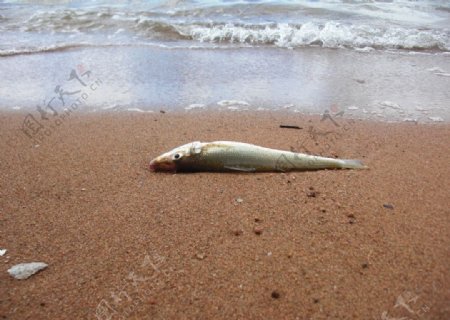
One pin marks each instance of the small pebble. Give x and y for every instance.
(388, 206)
(257, 220)
(162, 111)
(351, 218)
(311, 194)
(365, 265)
(258, 230)
(200, 256)
(238, 232)
(239, 200)
(316, 300)
(275, 294)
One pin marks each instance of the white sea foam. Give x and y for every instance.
(436, 69)
(111, 107)
(442, 74)
(389, 104)
(436, 119)
(286, 25)
(195, 106)
(137, 110)
(329, 34)
(226, 103)
(410, 120)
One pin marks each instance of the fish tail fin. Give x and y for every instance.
(353, 164)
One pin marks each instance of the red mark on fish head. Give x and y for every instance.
(162, 164)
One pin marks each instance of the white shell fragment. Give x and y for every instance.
(23, 271)
(2, 252)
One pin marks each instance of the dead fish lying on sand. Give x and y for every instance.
(238, 156)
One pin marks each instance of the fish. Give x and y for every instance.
(230, 156)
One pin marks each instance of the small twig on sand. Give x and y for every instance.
(284, 126)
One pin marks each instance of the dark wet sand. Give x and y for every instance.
(124, 243)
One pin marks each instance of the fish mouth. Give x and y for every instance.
(158, 165)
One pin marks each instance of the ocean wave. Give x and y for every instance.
(330, 35)
(218, 36)
(228, 26)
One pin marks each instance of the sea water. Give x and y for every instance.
(387, 60)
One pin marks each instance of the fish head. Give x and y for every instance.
(175, 159)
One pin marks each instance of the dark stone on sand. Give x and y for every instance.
(258, 230)
(238, 232)
(351, 218)
(311, 194)
(275, 294)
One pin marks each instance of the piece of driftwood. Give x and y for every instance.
(285, 126)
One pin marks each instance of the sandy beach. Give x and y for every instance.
(122, 242)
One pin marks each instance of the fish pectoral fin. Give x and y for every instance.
(240, 168)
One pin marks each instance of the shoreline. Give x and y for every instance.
(310, 80)
(54, 124)
(123, 241)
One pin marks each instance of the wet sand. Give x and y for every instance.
(124, 243)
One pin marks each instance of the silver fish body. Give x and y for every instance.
(238, 156)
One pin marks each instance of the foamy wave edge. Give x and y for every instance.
(219, 36)
(330, 35)
(34, 50)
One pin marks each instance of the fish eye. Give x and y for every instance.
(176, 156)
